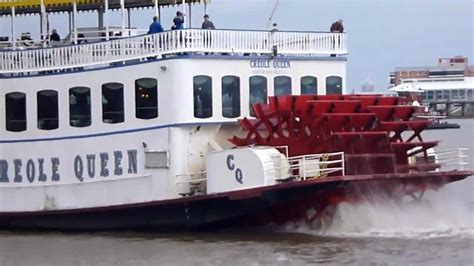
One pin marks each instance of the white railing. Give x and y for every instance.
(456, 158)
(311, 166)
(172, 42)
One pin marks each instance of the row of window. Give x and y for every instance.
(146, 105)
(448, 95)
(258, 91)
(146, 100)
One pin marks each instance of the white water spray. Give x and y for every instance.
(438, 214)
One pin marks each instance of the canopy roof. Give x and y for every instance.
(34, 6)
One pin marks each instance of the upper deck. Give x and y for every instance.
(171, 43)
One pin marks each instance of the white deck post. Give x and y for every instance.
(106, 18)
(43, 19)
(184, 12)
(156, 8)
(122, 7)
(13, 28)
(189, 15)
(74, 25)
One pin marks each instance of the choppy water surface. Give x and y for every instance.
(439, 230)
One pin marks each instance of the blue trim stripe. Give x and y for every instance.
(114, 132)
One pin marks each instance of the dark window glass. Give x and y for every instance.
(202, 96)
(446, 95)
(146, 98)
(80, 107)
(333, 85)
(112, 103)
(309, 85)
(282, 85)
(438, 95)
(258, 91)
(230, 96)
(446, 73)
(454, 94)
(47, 109)
(430, 95)
(15, 104)
(424, 95)
(470, 94)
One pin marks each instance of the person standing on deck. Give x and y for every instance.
(55, 38)
(337, 27)
(155, 26)
(178, 21)
(207, 24)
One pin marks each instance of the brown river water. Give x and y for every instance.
(439, 230)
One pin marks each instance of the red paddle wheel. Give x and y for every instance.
(378, 134)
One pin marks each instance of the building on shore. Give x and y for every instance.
(447, 87)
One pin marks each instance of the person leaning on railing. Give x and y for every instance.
(336, 27)
(178, 21)
(55, 38)
(207, 25)
(155, 26)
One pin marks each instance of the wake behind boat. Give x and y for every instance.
(199, 129)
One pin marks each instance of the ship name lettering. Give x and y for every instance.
(33, 170)
(266, 63)
(104, 171)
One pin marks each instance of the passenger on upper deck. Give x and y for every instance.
(155, 26)
(55, 39)
(207, 24)
(178, 21)
(337, 27)
(55, 36)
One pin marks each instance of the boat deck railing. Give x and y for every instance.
(312, 166)
(151, 46)
(453, 158)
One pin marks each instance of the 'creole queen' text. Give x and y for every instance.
(39, 170)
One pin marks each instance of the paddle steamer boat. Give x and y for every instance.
(195, 129)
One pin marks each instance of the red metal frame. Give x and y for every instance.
(368, 128)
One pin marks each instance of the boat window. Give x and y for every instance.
(470, 94)
(462, 94)
(15, 104)
(438, 95)
(282, 85)
(258, 91)
(80, 107)
(333, 85)
(47, 109)
(146, 98)
(309, 85)
(112, 103)
(202, 96)
(230, 96)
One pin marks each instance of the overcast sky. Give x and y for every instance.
(383, 34)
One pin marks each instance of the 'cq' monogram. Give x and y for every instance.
(239, 177)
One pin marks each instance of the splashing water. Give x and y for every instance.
(438, 214)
